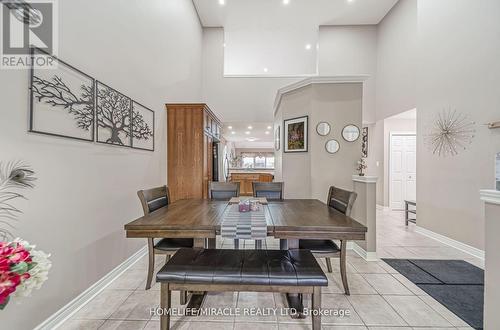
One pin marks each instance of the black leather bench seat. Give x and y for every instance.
(251, 267)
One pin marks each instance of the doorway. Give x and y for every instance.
(402, 169)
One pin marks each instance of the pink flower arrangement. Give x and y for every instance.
(19, 269)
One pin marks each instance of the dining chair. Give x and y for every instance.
(270, 190)
(342, 201)
(152, 200)
(224, 191)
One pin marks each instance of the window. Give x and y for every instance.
(264, 160)
(270, 162)
(248, 162)
(260, 162)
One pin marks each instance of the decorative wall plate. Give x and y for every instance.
(332, 146)
(323, 128)
(351, 133)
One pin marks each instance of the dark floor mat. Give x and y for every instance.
(452, 271)
(466, 301)
(456, 284)
(412, 271)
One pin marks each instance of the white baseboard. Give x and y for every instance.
(62, 315)
(451, 242)
(382, 207)
(368, 256)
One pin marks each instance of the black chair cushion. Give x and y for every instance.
(224, 195)
(169, 244)
(157, 203)
(269, 195)
(319, 245)
(252, 267)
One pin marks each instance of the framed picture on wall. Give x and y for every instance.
(277, 138)
(296, 132)
(61, 101)
(364, 142)
(143, 127)
(114, 111)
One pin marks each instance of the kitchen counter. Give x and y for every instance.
(246, 178)
(252, 170)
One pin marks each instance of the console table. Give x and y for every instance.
(409, 211)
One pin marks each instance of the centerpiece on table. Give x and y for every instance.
(22, 267)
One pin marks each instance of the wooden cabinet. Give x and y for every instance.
(246, 179)
(191, 131)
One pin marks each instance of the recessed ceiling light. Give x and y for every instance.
(308, 46)
(265, 70)
(224, 45)
(233, 132)
(269, 127)
(267, 132)
(251, 139)
(230, 127)
(222, 2)
(286, 2)
(247, 133)
(250, 127)
(350, 0)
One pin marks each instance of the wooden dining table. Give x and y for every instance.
(288, 220)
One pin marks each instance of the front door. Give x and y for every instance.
(403, 169)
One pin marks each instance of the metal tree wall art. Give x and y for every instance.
(66, 102)
(451, 132)
(62, 102)
(14, 176)
(117, 122)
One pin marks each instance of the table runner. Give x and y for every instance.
(244, 225)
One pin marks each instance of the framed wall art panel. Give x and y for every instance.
(143, 127)
(114, 112)
(61, 100)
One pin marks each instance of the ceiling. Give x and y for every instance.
(256, 134)
(275, 12)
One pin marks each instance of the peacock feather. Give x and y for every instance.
(14, 176)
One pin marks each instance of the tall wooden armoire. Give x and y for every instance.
(191, 131)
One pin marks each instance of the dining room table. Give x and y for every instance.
(287, 220)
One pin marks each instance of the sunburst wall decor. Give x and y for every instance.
(450, 133)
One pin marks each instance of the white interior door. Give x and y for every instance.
(403, 169)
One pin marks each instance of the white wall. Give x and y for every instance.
(396, 60)
(351, 50)
(235, 99)
(458, 67)
(310, 174)
(343, 50)
(86, 192)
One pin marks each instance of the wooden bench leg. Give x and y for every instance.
(165, 304)
(316, 306)
(183, 297)
(328, 264)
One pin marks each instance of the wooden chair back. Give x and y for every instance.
(269, 190)
(154, 198)
(224, 190)
(341, 200)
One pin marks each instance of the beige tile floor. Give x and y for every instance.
(380, 297)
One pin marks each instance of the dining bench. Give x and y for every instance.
(216, 270)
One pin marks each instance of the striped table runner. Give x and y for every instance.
(244, 225)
